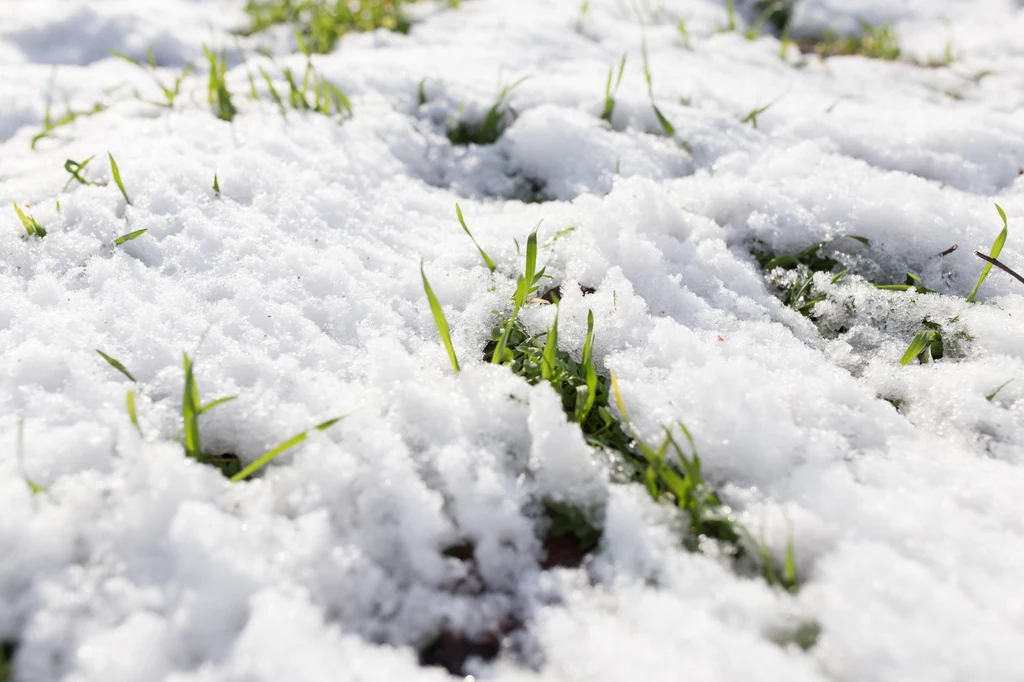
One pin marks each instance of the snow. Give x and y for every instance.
(299, 291)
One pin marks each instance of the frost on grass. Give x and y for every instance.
(465, 522)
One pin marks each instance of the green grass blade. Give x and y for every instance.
(264, 459)
(117, 178)
(997, 247)
(216, 184)
(992, 396)
(31, 226)
(130, 236)
(190, 411)
(116, 365)
(666, 125)
(439, 320)
(273, 92)
(582, 411)
(132, 413)
(921, 341)
(462, 221)
(549, 358)
(121, 55)
(214, 403)
(619, 402)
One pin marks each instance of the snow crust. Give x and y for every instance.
(298, 290)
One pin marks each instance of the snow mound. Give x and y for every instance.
(416, 533)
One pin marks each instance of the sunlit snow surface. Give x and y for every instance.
(138, 564)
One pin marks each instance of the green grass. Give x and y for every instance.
(730, 14)
(483, 254)
(796, 285)
(31, 225)
(321, 23)
(51, 124)
(129, 237)
(874, 42)
(192, 408)
(217, 94)
(280, 449)
(118, 365)
(666, 126)
(751, 117)
(75, 169)
(440, 321)
(926, 346)
(670, 472)
(611, 88)
(997, 248)
(170, 92)
(116, 172)
(311, 92)
(492, 125)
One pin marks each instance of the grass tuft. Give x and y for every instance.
(32, 227)
(873, 42)
(493, 124)
(926, 346)
(217, 93)
(611, 89)
(439, 320)
(117, 178)
(321, 23)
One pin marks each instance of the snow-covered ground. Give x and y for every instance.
(298, 289)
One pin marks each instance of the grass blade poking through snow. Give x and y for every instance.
(997, 248)
(527, 283)
(191, 408)
(132, 413)
(493, 124)
(666, 126)
(130, 236)
(217, 93)
(76, 168)
(439, 320)
(33, 228)
(117, 178)
(265, 459)
(549, 359)
(920, 347)
(610, 91)
(487, 259)
(116, 364)
(583, 407)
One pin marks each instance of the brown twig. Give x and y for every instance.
(995, 262)
(949, 250)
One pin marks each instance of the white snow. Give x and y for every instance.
(299, 291)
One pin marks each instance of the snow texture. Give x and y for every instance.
(298, 290)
